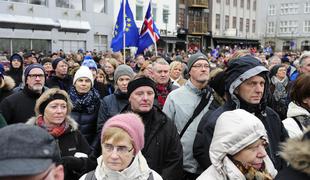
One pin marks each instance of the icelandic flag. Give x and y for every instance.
(149, 33)
(129, 27)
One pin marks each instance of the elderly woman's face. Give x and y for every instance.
(82, 85)
(253, 155)
(117, 156)
(55, 112)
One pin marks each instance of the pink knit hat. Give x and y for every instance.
(132, 124)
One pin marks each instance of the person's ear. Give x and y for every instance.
(59, 172)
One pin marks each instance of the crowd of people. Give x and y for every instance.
(239, 114)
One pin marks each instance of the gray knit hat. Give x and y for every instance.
(194, 58)
(123, 70)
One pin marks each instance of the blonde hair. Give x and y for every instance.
(47, 94)
(174, 64)
(112, 61)
(116, 134)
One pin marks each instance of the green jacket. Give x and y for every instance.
(2, 121)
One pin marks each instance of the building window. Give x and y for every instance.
(288, 8)
(307, 26)
(242, 4)
(254, 5)
(271, 10)
(241, 25)
(227, 2)
(139, 12)
(235, 3)
(217, 21)
(288, 26)
(307, 7)
(101, 42)
(36, 2)
(226, 22)
(154, 13)
(181, 17)
(100, 6)
(234, 23)
(247, 25)
(248, 4)
(253, 26)
(71, 4)
(165, 16)
(271, 27)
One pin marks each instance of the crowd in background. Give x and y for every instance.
(187, 102)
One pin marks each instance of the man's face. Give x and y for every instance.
(252, 89)
(141, 99)
(35, 79)
(61, 69)
(200, 72)
(140, 60)
(161, 73)
(28, 60)
(305, 67)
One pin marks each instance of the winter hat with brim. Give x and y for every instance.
(26, 150)
(132, 124)
(194, 58)
(122, 70)
(83, 71)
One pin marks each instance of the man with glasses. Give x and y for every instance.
(19, 107)
(29, 153)
(181, 104)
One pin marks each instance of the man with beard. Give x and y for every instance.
(181, 104)
(19, 107)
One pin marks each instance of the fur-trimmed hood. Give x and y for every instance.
(9, 83)
(296, 152)
(74, 125)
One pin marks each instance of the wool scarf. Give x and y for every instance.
(86, 102)
(162, 93)
(54, 131)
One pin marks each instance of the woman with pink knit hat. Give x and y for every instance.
(122, 139)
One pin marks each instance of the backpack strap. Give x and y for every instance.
(298, 123)
(91, 175)
(151, 176)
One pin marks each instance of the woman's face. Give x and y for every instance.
(108, 68)
(117, 156)
(281, 73)
(55, 112)
(176, 71)
(16, 63)
(148, 71)
(82, 85)
(122, 83)
(253, 155)
(48, 66)
(100, 78)
(307, 102)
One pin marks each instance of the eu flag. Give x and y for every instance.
(149, 32)
(128, 26)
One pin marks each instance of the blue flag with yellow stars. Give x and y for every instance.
(129, 27)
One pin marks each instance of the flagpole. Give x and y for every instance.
(124, 33)
(154, 36)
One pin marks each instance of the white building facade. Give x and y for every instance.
(287, 26)
(50, 25)
(234, 22)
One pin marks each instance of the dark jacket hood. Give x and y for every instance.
(241, 69)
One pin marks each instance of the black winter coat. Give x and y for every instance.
(162, 148)
(56, 82)
(19, 107)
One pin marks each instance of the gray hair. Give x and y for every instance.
(305, 55)
(161, 61)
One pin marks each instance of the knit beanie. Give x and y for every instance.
(56, 61)
(30, 67)
(83, 71)
(90, 63)
(194, 58)
(16, 56)
(132, 124)
(274, 70)
(143, 81)
(1, 71)
(123, 70)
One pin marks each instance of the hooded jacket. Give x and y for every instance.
(290, 124)
(234, 131)
(7, 88)
(138, 170)
(16, 74)
(296, 152)
(239, 70)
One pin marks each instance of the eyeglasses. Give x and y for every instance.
(119, 149)
(33, 76)
(200, 66)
